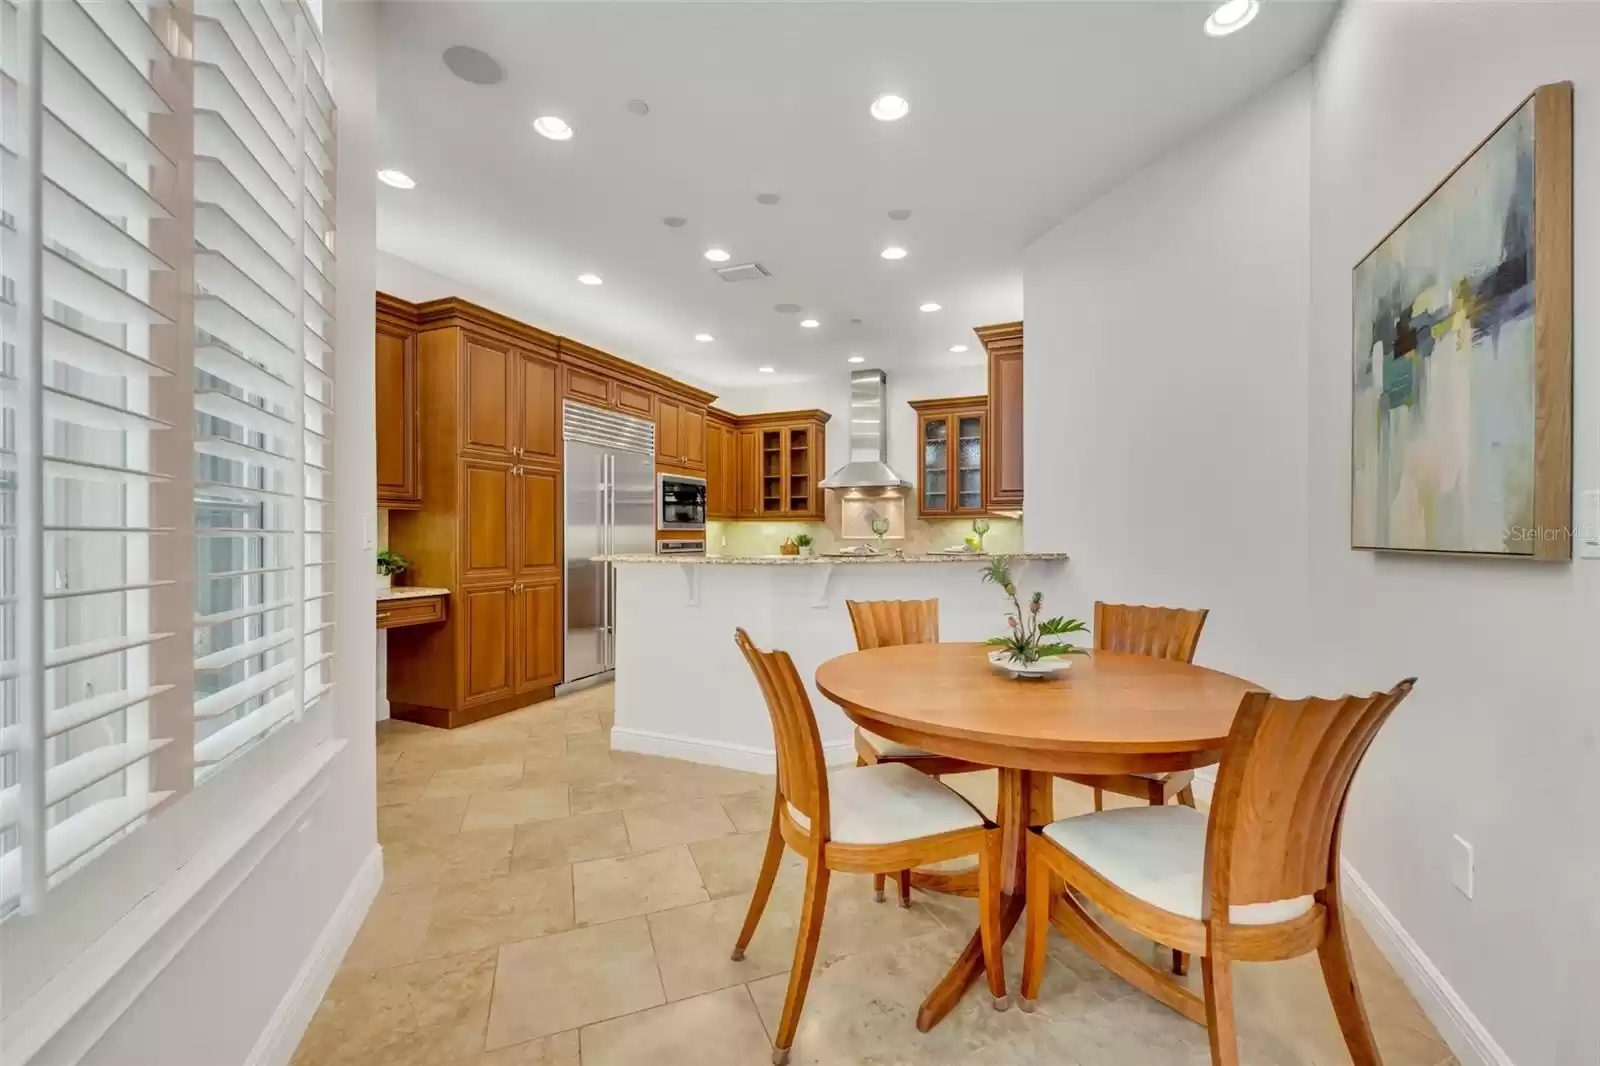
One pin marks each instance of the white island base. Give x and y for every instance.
(682, 688)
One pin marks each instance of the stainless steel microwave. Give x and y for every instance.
(680, 502)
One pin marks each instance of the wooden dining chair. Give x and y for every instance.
(1257, 882)
(1162, 633)
(861, 819)
(884, 624)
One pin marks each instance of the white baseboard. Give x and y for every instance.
(277, 1043)
(716, 752)
(1459, 1027)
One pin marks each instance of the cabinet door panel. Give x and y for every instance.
(749, 473)
(692, 435)
(395, 380)
(538, 521)
(589, 388)
(486, 519)
(486, 417)
(635, 401)
(538, 636)
(540, 436)
(667, 442)
(1004, 459)
(486, 635)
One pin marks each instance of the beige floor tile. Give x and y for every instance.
(666, 824)
(447, 859)
(560, 768)
(386, 760)
(465, 780)
(395, 787)
(393, 931)
(562, 841)
(418, 1015)
(421, 818)
(607, 889)
(693, 945)
(448, 754)
(751, 812)
(593, 742)
(719, 1029)
(486, 914)
(571, 979)
(582, 722)
(513, 806)
(558, 1050)
(730, 864)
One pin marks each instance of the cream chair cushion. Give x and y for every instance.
(890, 749)
(1158, 855)
(890, 802)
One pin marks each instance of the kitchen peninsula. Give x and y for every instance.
(681, 688)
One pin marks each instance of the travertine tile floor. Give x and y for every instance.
(548, 902)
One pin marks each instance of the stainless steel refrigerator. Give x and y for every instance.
(611, 510)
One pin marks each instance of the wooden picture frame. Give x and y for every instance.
(1378, 374)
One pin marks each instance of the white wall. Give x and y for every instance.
(1188, 368)
(1165, 387)
(1499, 742)
(239, 982)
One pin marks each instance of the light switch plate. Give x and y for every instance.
(1589, 524)
(1462, 867)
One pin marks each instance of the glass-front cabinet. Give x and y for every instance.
(950, 463)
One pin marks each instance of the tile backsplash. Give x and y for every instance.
(763, 538)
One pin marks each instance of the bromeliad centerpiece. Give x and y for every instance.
(1030, 646)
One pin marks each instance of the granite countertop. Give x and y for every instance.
(818, 560)
(410, 592)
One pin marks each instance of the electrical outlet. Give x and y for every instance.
(1462, 867)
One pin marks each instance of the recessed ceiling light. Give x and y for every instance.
(900, 214)
(471, 65)
(674, 222)
(809, 323)
(638, 107)
(767, 199)
(397, 179)
(1232, 16)
(704, 338)
(553, 128)
(856, 359)
(717, 255)
(958, 347)
(590, 279)
(765, 370)
(929, 307)
(889, 108)
(892, 252)
(786, 309)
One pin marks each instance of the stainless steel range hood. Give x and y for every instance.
(868, 467)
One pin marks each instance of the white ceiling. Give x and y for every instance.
(1020, 112)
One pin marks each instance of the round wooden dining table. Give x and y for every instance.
(1110, 713)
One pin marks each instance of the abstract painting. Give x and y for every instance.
(1462, 405)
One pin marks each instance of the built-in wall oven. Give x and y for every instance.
(680, 503)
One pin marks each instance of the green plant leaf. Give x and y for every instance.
(1059, 626)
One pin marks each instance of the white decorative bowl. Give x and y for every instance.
(1058, 664)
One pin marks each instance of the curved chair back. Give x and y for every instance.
(802, 773)
(1160, 632)
(1280, 795)
(885, 623)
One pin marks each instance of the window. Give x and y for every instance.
(165, 494)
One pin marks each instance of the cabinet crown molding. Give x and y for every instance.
(945, 404)
(1001, 336)
(454, 311)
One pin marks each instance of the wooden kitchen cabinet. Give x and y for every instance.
(747, 474)
(587, 387)
(487, 623)
(537, 528)
(633, 400)
(680, 434)
(539, 410)
(395, 383)
(1003, 442)
(950, 455)
(488, 409)
(487, 523)
(537, 634)
(722, 466)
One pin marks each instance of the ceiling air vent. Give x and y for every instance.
(743, 272)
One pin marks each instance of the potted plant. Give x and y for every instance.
(803, 542)
(980, 528)
(1029, 647)
(390, 564)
